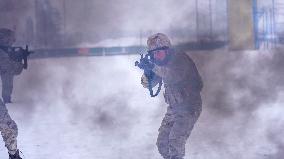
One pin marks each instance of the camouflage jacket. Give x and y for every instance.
(9, 66)
(181, 79)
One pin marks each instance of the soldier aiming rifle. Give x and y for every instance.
(182, 84)
(13, 61)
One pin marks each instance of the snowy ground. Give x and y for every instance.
(95, 107)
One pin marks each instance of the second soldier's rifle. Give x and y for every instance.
(147, 65)
(18, 54)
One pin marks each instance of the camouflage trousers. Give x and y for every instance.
(8, 128)
(176, 128)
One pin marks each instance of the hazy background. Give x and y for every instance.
(95, 107)
(65, 23)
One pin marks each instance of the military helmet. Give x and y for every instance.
(6, 35)
(158, 41)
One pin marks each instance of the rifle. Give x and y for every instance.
(144, 64)
(18, 54)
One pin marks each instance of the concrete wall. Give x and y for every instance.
(241, 28)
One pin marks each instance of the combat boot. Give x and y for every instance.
(15, 156)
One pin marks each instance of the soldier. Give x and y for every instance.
(183, 85)
(10, 64)
(8, 68)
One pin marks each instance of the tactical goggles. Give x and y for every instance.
(157, 49)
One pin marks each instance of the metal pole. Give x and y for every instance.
(197, 20)
(227, 24)
(211, 23)
(273, 22)
(140, 36)
(64, 22)
(272, 37)
(266, 37)
(35, 25)
(267, 29)
(45, 23)
(255, 19)
(263, 26)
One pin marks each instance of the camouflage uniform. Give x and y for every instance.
(8, 68)
(182, 84)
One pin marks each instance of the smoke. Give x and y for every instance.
(258, 84)
(12, 12)
(242, 105)
(101, 20)
(16, 6)
(69, 22)
(95, 107)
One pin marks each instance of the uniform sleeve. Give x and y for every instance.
(14, 67)
(17, 67)
(170, 74)
(174, 72)
(4, 62)
(182, 69)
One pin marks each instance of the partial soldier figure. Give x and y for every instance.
(10, 64)
(8, 68)
(183, 85)
(9, 132)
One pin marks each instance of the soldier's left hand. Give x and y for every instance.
(144, 81)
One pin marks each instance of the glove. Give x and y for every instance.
(16, 56)
(144, 81)
(17, 67)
